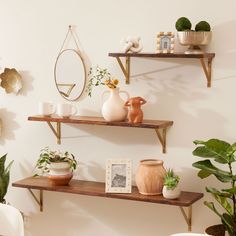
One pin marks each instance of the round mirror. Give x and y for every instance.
(70, 74)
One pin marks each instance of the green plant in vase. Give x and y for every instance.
(222, 153)
(4, 177)
(171, 189)
(100, 76)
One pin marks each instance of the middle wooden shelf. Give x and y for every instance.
(160, 126)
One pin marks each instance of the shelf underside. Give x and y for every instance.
(91, 188)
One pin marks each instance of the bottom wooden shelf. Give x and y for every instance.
(91, 188)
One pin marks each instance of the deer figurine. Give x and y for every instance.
(135, 114)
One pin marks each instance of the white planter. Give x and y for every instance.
(171, 193)
(113, 108)
(60, 168)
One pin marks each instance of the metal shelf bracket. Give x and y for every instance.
(38, 201)
(162, 138)
(187, 216)
(125, 68)
(57, 131)
(206, 65)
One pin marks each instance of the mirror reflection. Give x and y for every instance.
(70, 74)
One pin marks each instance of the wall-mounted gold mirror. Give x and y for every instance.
(70, 74)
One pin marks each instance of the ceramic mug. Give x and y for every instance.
(46, 108)
(66, 110)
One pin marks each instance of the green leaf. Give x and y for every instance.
(220, 150)
(230, 190)
(209, 168)
(228, 222)
(212, 207)
(204, 173)
(219, 193)
(222, 200)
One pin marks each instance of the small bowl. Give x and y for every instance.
(194, 40)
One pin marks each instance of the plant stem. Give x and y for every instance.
(234, 200)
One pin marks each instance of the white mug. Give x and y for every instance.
(46, 108)
(66, 110)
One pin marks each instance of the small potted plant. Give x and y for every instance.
(200, 36)
(4, 178)
(171, 188)
(219, 157)
(58, 166)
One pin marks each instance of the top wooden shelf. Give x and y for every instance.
(163, 55)
(205, 59)
(160, 126)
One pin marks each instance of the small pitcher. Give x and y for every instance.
(113, 108)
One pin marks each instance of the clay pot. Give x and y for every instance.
(59, 180)
(215, 230)
(60, 173)
(150, 176)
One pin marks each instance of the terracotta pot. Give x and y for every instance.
(215, 230)
(59, 180)
(150, 176)
(60, 173)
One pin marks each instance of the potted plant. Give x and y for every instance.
(57, 165)
(171, 188)
(201, 36)
(4, 177)
(222, 153)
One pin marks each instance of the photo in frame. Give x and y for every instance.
(118, 176)
(165, 42)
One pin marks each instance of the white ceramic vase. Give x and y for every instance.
(171, 193)
(113, 108)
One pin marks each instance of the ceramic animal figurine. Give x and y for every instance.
(135, 114)
(131, 44)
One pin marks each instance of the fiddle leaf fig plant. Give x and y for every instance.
(4, 177)
(223, 154)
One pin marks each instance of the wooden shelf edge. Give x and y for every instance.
(163, 55)
(91, 188)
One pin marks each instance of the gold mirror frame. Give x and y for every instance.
(71, 86)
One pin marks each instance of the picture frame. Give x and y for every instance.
(118, 176)
(165, 42)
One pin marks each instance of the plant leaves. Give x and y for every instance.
(228, 222)
(220, 150)
(212, 207)
(209, 168)
(222, 200)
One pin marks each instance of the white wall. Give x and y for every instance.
(30, 37)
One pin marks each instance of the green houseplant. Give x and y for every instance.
(4, 177)
(171, 189)
(223, 154)
(58, 166)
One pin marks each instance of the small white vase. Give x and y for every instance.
(59, 168)
(171, 193)
(113, 108)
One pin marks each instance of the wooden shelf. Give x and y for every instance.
(160, 126)
(90, 188)
(205, 60)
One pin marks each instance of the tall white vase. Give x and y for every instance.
(113, 108)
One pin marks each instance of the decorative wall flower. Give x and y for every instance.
(11, 80)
